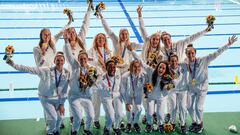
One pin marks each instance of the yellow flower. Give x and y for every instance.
(210, 18)
(9, 49)
(153, 56)
(66, 11)
(44, 45)
(91, 70)
(148, 86)
(102, 5)
(168, 127)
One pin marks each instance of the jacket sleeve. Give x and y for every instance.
(182, 44)
(110, 33)
(40, 71)
(215, 54)
(142, 29)
(69, 56)
(85, 25)
(38, 57)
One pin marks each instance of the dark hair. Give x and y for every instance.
(109, 61)
(82, 52)
(165, 33)
(190, 46)
(155, 72)
(59, 53)
(172, 55)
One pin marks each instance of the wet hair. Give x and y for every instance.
(82, 52)
(172, 54)
(190, 46)
(60, 53)
(51, 43)
(132, 63)
(155, 72)
(165, 33)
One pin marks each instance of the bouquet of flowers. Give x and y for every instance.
(83, 83)
(69, 14)
(147, 89)
(90, 2)
(101, 6)
(210, 20)
(168, 127)
(9, 50)
(117, 60)
(152, 61)
(89, 79)
(91, 76)
(166, 82)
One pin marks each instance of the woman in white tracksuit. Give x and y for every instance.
(151, 43)
(120, 43)
(158, 95)
(108, 88)
(178, 96)
(132, 91)
(198, 86)
(79, 98)
(52, 90)
(45, 52)
(77, 41)
(99, 54)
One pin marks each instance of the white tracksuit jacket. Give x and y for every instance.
(50, 97)
(197, 93)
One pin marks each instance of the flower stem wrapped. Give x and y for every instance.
(69, 13)
(101, 6)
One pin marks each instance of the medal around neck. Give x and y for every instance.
(194, 82)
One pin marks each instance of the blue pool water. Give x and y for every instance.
(20, 23)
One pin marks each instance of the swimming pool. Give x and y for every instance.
(20, 23)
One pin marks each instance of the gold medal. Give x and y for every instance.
(193, 82)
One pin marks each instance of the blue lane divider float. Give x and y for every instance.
(21, 99)
(139, 38)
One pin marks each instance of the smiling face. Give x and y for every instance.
(161, 69)
(191, 54)
(111, 68)
(72, 34)
(167, 41)
(59, 61)
(154, 41)
(124, 35)
(46, 35)
(173, 62)
(135, 68)
(100, 40)
(83, 59)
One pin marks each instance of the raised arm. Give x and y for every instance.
(40, 71)
(85, 25)
(141, 24)
(214, 55)
(68, 52)
(183, 43)
(108, 30)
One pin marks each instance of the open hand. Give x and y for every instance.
(232, 39)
